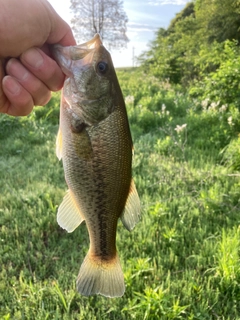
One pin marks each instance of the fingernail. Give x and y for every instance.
(33, 57)
(11, 85)
(14, 68)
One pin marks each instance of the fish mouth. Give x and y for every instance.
(80, 51)
(66, 55)
(94, 43)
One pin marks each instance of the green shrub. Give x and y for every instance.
(231, 154)
(223, 85)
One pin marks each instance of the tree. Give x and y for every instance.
(222, 21)
(106, 17)
(192, 46)
(171, 53)
(187, 11)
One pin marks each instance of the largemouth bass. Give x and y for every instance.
(95, 145)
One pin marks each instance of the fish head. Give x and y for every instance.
(91, 81)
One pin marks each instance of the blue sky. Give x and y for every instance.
(144, 18)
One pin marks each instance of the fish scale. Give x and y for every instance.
(95, 145)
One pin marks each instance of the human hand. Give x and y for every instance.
(28, 73)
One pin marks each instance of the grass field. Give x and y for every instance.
(182, 261)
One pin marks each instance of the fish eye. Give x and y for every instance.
(102, 67)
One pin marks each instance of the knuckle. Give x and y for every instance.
(42, 99)
(22, 105)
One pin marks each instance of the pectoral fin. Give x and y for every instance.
(69, 216)
(132, 211)
(59, 144)
(82, 145)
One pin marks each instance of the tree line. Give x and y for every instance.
(197, 42)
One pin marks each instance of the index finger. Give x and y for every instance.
(68, 39)
(3, 98)
(61, 33)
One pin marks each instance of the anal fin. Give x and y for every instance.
(69, 216)
(59, 144)
(132, 211)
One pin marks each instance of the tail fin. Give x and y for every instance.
(103, 277)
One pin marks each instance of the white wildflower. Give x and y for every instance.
(223, 108)
(205, 103)
(213, 106)
(129, 99)
(163, 108)
(180, 128)
(230, 121)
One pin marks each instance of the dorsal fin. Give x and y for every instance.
(69, 216)
(132, 211)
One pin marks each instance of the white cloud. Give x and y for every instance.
(133, 26)
(164, 2)
(138, 14)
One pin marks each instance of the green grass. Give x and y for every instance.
(182, 261)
